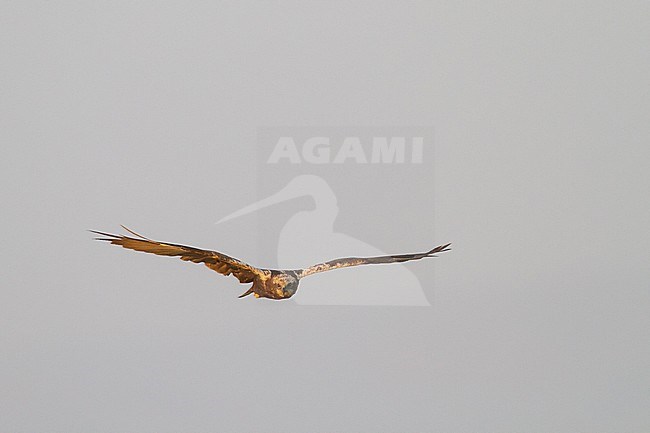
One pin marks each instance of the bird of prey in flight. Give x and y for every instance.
(267, 283)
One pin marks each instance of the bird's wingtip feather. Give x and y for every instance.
(439, 249)
(133, 233)
(104, 234)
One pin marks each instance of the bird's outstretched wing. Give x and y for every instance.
(219, 262)
(356, 261)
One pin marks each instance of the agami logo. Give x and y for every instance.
(324, 150)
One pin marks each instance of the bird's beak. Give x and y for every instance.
(287, 193)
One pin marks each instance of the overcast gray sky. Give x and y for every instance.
(149, 114)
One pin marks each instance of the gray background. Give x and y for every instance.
(146, 114)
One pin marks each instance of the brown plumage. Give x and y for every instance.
(267, 283)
